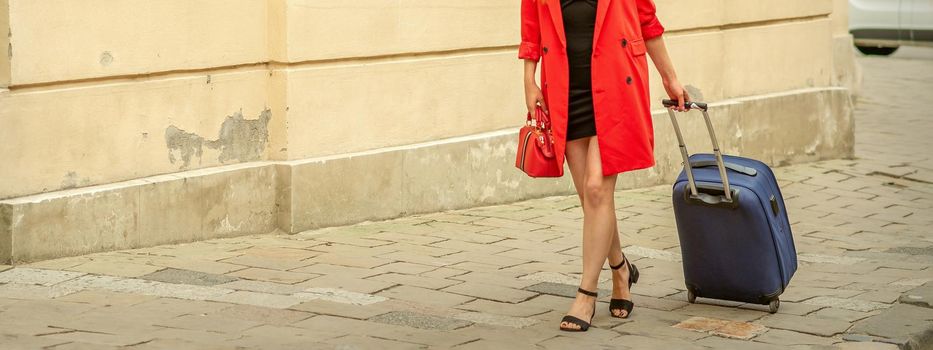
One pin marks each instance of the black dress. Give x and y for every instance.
(579, 24)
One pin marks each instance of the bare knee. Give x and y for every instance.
(597, 192)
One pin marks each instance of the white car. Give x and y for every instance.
(881, 26)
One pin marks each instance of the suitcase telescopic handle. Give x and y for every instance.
(688, 169)
(687, 104)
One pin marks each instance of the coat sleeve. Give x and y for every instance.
(650, 26)
(530, 48)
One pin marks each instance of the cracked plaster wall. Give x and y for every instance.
(239, 140)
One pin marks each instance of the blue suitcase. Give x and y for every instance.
(735, 237)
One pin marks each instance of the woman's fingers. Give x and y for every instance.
(532, 102)
(682, 97)
(543, 105)
(534, 98)
(685, 97)
(677, 93)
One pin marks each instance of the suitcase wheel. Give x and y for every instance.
(774, 305)
(691, 297)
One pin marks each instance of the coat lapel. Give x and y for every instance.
(558, 19)
(602, 8)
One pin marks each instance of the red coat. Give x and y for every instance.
(619, 76)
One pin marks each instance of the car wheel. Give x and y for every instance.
(876, 51)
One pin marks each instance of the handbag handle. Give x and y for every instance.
(541, 120)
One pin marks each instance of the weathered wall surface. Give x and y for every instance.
(5, 48)
(60, 138)
(847, 71)
(64, 40)
(354, 110)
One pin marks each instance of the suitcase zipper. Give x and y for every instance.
(525, 150)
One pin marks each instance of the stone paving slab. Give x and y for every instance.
(421, 321)
(425, 296)
(264, 315)
(922, 296)
(274, 301)
(294, 337)
(122, 269)
(259, 274)
(908, 326)
(177, 276)
(340, 325)
(824, 327)
(866, 345)
(842, 314)
(523, 309)
(340, 296)
(496, 320)
(359, 285)
(106, 298)
(789, 338)
(100, 339)
(37, 276)
(414, 280)
(264, 262)
(192, 264)
(723, 328)
(490, 292)
(333, 308)
(559, 289)
(849, 304)
(502, 276)
(215, 324)
(262, 287)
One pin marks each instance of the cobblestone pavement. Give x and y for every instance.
(502, 277)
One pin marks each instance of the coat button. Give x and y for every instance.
(545, 50)
(624, 42)
(628, 80)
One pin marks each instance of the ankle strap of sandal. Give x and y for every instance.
(619, 266)
(584, 291)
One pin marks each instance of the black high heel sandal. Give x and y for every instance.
(624, 304)
(574, 320)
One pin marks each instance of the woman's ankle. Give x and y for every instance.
(618, 264)
(620, 277)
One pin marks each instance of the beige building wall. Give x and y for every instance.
(847, 71)
(262, 115)
(5, 48)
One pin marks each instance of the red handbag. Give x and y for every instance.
(536, 147)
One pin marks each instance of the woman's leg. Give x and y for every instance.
(620, 289)
(599, 216)
(598, 226)
(576, 159)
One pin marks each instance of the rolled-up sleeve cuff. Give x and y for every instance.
(529, 51)
(652, 29)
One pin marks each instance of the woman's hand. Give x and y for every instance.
(658, 52)
(534, 97)
(677, 93)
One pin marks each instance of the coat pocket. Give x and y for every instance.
(638, 47)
